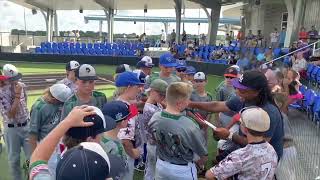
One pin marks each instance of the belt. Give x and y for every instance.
(18, 124)
(179, 164)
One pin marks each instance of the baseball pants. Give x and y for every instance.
(15, 138)
(151, 162)
(129, 174)
(168, 171)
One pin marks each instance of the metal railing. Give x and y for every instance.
(290, 53)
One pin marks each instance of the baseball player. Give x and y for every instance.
(181, 69)
(177, 137)
(167, 64)
(45, 115)
(145, 65)
(70, 79)
(15, 116)
(258, 159)
(85, 80)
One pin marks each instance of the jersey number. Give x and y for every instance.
(265, 167)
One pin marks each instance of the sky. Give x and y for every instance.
(12, 17)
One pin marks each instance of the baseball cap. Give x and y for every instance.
(123, 68)
(199, 76)
(86, 72)
(117, 110)
(101, 124)
(88, 161)
(255, 118)
(237, 68)
(250, 80)
(181, 64)
(72, 65)
(11, 72)
(231, 72)
(191, 70)
(158, 85)
(146, 61)
(127, 79)
(140, 75)
(167, 60)
(60, 91)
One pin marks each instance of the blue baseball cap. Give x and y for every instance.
(127, 79)
(167, 60)
(191, 70)
(181, 64)
(117, 110)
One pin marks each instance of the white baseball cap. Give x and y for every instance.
(236, 67)
(147, 59)
(11, 72)
(199, 76)
(61, 92)
(255, 118)
(72, 65)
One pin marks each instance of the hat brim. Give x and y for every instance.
(15, 78)
(236, 84)
(169, 65)
(3, 78)
(149, 89)
(88, 78)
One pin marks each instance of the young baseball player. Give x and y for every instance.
(85, 80)
(88, 160)
(70, 79)
(145, 65)
(15, 117)
(190, 72)
(177, 137)
(119, 112)
(167, 63)
(258, 159)
(45, 115)
(181, 69)
(128, 87)
(156, 95)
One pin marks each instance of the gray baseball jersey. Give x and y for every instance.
(255, 161)
(177, 138)
(197, 98)
(172, 78)
(44, 117)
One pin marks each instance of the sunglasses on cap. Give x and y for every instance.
(199, 80)
(181, 69)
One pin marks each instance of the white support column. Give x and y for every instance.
(50, 24)
(100, 30)
(56, 30)
(166, 29)
(214, 19)
(110, 17)
(178, 7)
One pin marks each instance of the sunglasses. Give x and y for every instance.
(228, 77)
(181, 69)
(199, 81)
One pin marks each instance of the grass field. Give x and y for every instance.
(40, 68)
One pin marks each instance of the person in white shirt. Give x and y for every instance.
(163, 38)
(299, 63)
(274, 38)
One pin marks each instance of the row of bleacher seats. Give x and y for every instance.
(66, 48)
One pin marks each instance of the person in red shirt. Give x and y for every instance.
(303, 34)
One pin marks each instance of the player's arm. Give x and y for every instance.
(213, 106)
(15, 105)
(134, 153)
(210, 175)
(48, 144)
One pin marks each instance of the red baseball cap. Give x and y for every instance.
(3, 78)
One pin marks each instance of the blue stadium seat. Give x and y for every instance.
(96, 46)
(38, 50)
(309, 71)
(309, 102)
(314, 74)
(277, 52)
(78, 45)
(316, 110)
(89, 45)
(60, 45)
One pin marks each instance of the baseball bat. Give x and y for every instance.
(206, 122)
(106, 80)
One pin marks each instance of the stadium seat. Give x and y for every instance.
(309, 103)
(38, 50)
(316, 110)
(314, 74)
(276, 52)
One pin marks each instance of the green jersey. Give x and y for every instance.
(172, 78)
(98, 99)
(44, 117)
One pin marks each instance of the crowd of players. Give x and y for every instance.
(155, 119)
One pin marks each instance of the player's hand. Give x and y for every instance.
(75, 117)
(221, 133)
(18, 88)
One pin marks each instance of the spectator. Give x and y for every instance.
(274, 38)
(228, 39)
(313, 35)
(145, 65)
(269, 54)
(299, 64)
(282, 37)
(163, 38)
(172, 38)
(257, 160)
(259, 38)
(184, 37)
(70, 79)
(243, 62)
(249, 39)
(303, 35)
